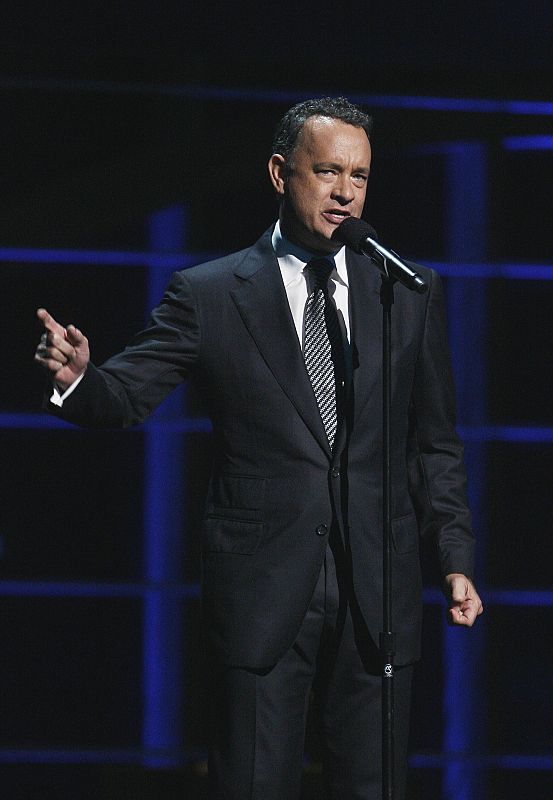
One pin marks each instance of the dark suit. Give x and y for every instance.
(277, 489)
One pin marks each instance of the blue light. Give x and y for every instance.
(507, 761)
(506, 433)
(22, 421)
(102, 258)
(73, 756)
(45, 755)
(164, 503)
(533, 598)
(80, 756)
(529, 598)
(247, 95)
(179, 591)
(469, 433)
(466, 205)
(528, 143)
(523, 272)
(174, 261)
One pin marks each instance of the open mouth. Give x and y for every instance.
(336, 215)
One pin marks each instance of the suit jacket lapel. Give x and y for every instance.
(263, 305)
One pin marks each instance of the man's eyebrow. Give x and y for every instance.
(334, 165)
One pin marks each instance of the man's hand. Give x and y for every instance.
(463, 600)
(62, 352)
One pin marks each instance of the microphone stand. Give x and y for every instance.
(387, 636)
(361, 237)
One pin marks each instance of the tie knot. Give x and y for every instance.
(320, 269)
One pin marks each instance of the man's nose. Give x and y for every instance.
(343, 190)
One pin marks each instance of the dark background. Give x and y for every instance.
(112, 113)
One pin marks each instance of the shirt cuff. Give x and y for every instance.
(58, 398)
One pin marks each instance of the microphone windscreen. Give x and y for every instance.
(353, 232)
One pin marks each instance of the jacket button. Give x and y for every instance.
(321, 530)
(335, 472)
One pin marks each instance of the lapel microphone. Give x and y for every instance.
(362, 238)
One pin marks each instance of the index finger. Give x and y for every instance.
(49, 322)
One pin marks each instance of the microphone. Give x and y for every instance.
(362, 238)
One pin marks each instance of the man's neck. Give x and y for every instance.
(285, 244)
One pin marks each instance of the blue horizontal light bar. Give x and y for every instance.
(432, 596)
(72, 756)
(137, 756)
(107, 258)
(519, 597)
(510, 761)
(529, 598)
(88, 589)
(525, 143)
(482, 433)
(22, 421)
(521, 143)
(102, 258)
(506, 433)
(248, 95)
(525, 272)
(45, 755)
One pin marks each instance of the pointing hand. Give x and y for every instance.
(62, 352)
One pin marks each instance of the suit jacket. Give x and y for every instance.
(276, 488)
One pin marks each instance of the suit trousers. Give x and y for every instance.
(258, 719)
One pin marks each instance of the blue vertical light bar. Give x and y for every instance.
(162, 732)
(467, 232)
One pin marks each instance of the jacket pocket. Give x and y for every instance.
(230, 535)
(405, 534)
(238, 496)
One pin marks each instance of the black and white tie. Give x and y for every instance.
(322, 347)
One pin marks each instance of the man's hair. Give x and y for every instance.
(291, 125)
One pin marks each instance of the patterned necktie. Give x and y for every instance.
(323, 347)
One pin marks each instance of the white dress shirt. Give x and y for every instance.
(292, 261)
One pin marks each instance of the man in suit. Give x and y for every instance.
(292, 538)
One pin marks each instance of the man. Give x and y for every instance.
(284, 339)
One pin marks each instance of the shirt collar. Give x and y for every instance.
(292, 259)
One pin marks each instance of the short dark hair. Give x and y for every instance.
(290, 126)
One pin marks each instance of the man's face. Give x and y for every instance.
(324, 182)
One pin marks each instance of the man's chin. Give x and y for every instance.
(319, 243)
(325, 244)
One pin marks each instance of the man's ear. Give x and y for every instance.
(277, 172)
